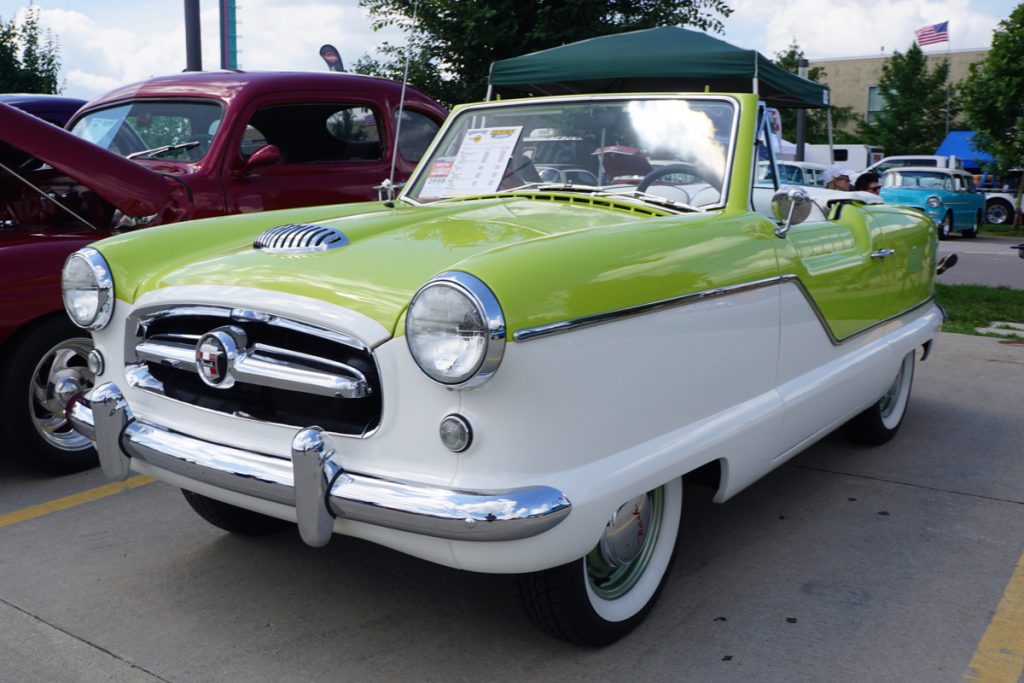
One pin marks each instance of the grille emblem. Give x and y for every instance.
(216, 353)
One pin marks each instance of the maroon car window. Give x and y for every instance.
(171, 129)
(317, 133)
(416, 133)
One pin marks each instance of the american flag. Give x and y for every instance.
(936, 33)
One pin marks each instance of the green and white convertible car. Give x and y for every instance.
(504, 375)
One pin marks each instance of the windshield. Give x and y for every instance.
(143, 129)
(921, 179)
(790, 174)
(677, 148)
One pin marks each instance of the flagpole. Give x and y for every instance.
(949, 67)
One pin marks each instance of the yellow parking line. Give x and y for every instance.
(26, 514)
(1000, 654)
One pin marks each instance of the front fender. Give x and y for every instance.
(30, 279)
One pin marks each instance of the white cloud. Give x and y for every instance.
(105, 46)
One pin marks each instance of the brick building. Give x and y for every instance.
(853, 81)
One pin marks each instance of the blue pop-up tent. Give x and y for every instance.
(960, 143)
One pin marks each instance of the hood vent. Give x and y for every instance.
(297, 238)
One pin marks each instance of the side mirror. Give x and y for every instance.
(790, 206)
(267, 155)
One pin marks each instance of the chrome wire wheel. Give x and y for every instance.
(61, 373)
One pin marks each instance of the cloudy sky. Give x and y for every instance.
(105, 44)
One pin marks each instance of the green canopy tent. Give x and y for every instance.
(668, 58)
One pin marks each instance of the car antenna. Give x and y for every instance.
(389, 185)
(44, 195)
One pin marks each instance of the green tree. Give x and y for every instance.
(817, 125)
(993, 98)
(29, 60)
(456, 40)
(913, 120)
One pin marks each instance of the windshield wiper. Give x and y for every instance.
(165, 149)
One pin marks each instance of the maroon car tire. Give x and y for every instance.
(31, 422)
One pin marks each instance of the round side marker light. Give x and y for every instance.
(456, 434)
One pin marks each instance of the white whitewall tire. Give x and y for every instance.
(589, 602)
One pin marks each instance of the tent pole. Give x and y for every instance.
(490, 91)
(755, 72)
(828, 123)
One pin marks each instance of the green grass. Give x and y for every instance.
(972, 306)
(1001, 230)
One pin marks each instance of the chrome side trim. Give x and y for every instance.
(599, 318)
(836, 341)
(529, 333)
(315, 483)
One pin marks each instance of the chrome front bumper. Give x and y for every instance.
(314, 481)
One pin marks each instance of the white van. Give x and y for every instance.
(848, 156)
(929, 160)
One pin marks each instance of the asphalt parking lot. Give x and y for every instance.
(901, 563)
(984, 260)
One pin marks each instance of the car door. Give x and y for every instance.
(954, 196)
(969, 202)
(332, 149)
(838, 288)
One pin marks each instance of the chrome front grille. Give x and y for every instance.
(255, 366)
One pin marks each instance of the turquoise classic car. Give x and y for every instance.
(502, 374)
(947, 195)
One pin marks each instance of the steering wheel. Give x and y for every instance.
(682, 167)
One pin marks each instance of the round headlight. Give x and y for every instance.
(88, 289)
(934, 202)
(455, 330)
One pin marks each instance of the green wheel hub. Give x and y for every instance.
(610, 582)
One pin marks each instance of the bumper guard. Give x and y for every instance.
(314, 482)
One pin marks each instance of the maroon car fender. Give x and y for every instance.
(30, 278)
(136, 191)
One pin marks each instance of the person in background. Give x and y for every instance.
(837, 178)
(868, 182)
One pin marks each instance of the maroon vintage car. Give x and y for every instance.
(166, 150)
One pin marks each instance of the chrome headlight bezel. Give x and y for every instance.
(493, 320)
(103, 286)
(934, 201)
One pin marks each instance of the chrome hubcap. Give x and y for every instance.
(625, 548)
(62, 373)
(626, 531)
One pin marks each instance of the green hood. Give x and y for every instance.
(391, 252)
